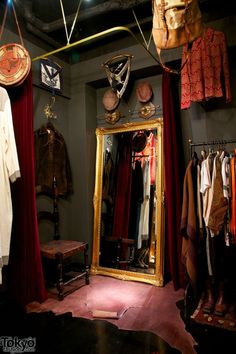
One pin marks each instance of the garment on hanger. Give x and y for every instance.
(108, 178)
(219, 204)
(225, 171)
(214, 260)
(150, 151)
(213, 178)
(189, 227)
(199, 200)
(9, 171)
(51, 160)
(123, 187)
(233, 198)
(206, 187)
(107, 194)
(136, 200)
(145, 207)
(201, 77)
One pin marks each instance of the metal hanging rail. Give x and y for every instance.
(95, 36)
(209, 143)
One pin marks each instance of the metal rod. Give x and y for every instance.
(213, 142)
(94, 36)
(141, 156)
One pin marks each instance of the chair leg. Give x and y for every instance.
(131, 254)
(118, 254)
(86, 265)
(60, 284)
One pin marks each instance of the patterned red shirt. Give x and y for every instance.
(206, 70)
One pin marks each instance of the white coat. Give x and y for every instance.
(9, 171)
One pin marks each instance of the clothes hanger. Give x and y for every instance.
(211, 152)
(50, 127)
(47, 128)
(48, 109)
(203, 153)
(195, 158)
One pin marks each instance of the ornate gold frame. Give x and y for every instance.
(157, 278)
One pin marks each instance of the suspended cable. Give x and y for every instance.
(68, 37)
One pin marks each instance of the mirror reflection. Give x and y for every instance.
(128, 240)
(128, 235)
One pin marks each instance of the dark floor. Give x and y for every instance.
(65, 334)
(69, 335)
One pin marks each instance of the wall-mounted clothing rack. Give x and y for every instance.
(95, 36)
(209, 144)
(139, 157)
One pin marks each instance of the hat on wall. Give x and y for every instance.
(144, 91)
(110, 100)
(147, 111)
(139, 141)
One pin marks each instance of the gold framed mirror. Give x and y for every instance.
(128, 240)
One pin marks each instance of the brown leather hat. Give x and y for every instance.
(144, 91)
(110, 100)
(139, 141)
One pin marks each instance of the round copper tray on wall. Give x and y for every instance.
(15, 64)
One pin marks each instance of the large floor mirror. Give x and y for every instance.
(128, 240)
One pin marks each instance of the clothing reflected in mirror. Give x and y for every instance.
(128, 227)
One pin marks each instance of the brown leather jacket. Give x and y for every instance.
(51, 160)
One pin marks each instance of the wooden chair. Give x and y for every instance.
(61, 251)
(58, 255)
(113, 250)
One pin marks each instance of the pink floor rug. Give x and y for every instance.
(139, 307)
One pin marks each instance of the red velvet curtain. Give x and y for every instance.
(25, 282)
(173, 155)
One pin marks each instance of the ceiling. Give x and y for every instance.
(41, 21)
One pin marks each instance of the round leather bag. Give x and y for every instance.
(15, 64)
